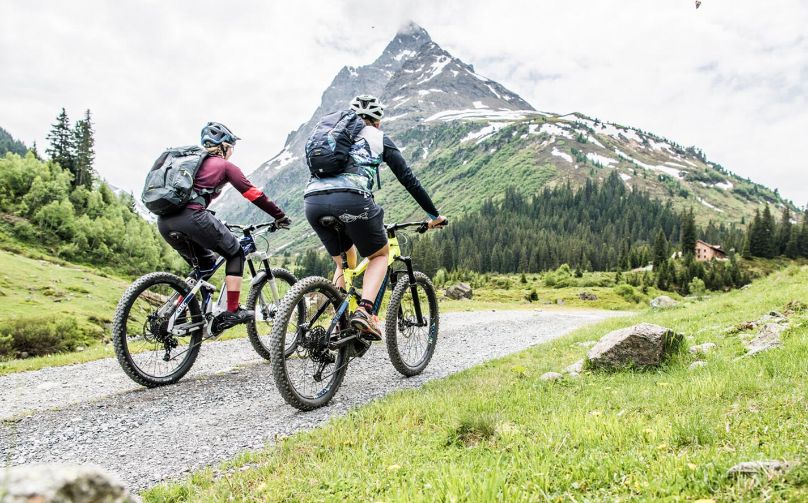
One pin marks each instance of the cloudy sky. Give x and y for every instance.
(730, 77)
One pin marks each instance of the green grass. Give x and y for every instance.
(498, 433)
(32, 287)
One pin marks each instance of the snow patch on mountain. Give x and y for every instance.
(437, 67)
(601, 159)
(406, 53)
(724, 185)
(425, 92)
(668, 171)
(283, 159)
(553, 130)
(476, 114)
(705, 203)
(485, 132)
(562, 155)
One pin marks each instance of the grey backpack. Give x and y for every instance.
(170, 183)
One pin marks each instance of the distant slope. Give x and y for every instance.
(35, 288)
(9, 144)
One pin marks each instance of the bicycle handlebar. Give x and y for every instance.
(270, 226)
(422, 226)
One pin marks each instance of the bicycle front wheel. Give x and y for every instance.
(411, 339)
(263, 302)
(156, 344)
(310, 376)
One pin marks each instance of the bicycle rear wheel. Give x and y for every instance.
(147, 330)
(310, 376)
(266, 307)
(410, 343)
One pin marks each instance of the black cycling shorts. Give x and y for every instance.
(362, 217)
(206, 234)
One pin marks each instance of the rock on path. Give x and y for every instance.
(93, 413)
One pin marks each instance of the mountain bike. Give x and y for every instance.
(325, 343)
(162, 319)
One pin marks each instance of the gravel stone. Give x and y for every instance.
(95, 414)
(697, 364)
(551, 376)
(702, 348)
(575, 368)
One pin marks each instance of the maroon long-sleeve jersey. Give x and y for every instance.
(216, 172)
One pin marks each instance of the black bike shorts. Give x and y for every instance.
(205, 233)
(362, 217)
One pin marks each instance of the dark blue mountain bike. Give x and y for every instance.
(162, 319)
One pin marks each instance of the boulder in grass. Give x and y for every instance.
(551, 376)
(459, 291)
(643, 345)
(768, 338)
(57, 482)
(663, 302)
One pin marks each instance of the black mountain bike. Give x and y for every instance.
(162, 319)
(324, 342)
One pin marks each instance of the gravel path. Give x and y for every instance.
(92, 413)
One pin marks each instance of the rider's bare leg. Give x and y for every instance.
(339, 277)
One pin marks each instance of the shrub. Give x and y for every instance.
(39, 336)
(627, 292)
(696, 287)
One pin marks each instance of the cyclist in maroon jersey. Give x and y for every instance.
(205, 233)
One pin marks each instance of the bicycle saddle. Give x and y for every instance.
(330, 221)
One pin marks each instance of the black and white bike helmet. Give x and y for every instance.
(369, 106)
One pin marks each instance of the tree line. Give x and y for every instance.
(599, 227)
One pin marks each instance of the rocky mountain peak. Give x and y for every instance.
(406, 44)
(434, 81)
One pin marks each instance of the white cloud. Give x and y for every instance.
(731, 77)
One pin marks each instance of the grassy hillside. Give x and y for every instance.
(498, 433)
(40, 290)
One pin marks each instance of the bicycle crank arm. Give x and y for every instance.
(187, 329)
(337, 342)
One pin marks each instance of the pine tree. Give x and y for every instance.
(783, 232)
(61, 143)
(802, 241)
(688, 233)
(84, 143)
(660, 249)
(792, 245)
(754, 237)
(34, 151)
(768, 234)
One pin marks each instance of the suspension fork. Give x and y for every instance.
(416, 302)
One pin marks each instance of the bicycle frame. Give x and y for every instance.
(351, 300)
(196, 278)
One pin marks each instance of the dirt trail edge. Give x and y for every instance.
(92, 413)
